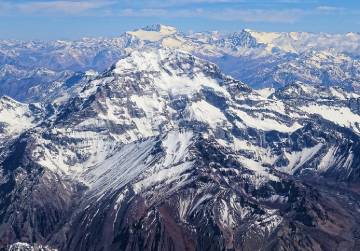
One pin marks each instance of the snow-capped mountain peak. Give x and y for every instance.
(163, 150)
(173, 62)
(165, 29)
(153, 33)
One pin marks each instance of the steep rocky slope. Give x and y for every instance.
(165, 152)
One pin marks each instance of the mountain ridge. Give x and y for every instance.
(165, 151)
(266, 59)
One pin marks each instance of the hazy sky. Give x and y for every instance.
(65, 19)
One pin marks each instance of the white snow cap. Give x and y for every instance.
(153, 33)
(160, 28)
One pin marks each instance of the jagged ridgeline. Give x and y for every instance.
(259, 59)
(165, 151)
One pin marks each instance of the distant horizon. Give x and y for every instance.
(75, 19)
(179, 30)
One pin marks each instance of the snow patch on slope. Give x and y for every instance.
(134, 163)
(342, 116)
(266, 92)
(127, 164)
(172, 165)
(262, 173)
(328, 159)
(175, 145)
(265, 123)
(298, 159)
(15, 116)
(205, 112)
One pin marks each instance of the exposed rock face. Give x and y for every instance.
(165, 152)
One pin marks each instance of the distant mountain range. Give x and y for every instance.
(260, 59)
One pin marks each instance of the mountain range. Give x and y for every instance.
(260, 59)
(160, 140)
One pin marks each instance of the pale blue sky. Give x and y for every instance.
(64, 19)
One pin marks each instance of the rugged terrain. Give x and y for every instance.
(259, 59)
(163, 151)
